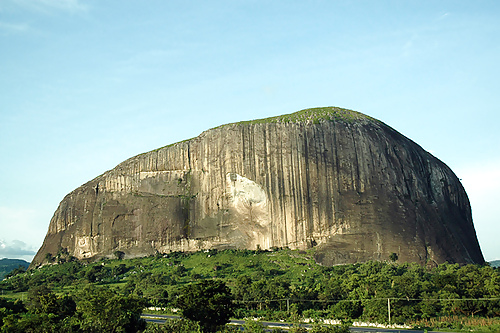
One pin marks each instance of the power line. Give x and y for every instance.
(368, 299)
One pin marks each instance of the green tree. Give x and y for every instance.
(346, 309)
(41, 300)
(208, 302)
(119, 269)
(47, 313)
(242, 288)
(9, 308)
(15, 271)
(119, 255)
(102, 310)
(156, 295)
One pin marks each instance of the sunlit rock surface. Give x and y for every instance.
(331, 179)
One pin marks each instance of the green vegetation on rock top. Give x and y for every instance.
(314, 115)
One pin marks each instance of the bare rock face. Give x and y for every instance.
(331, 179)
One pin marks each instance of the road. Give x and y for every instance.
(160, 319)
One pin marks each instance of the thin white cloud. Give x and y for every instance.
(13, 27)
(443, 16)
(48, 6)
(68, 5)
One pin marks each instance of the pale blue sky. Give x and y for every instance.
(85, 85)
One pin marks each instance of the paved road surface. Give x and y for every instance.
(160, 319)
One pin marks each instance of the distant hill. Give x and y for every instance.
(7, 265)
(495, 263)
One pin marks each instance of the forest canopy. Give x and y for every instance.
(274, 284)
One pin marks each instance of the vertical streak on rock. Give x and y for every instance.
(295, 181)
(315, 180)
(281, 185)
(309, 204)
(314, 161)
(299, 180)
(304, 180)
(282, 167)
(292, 180)
(335, 184)
(156, 160)
(275, 223)
(327, 167)
(188, 155)
(289, 188)
(356, 180)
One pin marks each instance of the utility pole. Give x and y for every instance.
(389, 309)
(288, 305)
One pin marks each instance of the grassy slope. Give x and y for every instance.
(293, 265)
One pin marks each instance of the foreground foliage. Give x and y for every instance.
(91, 310)
(187, 326)
(208, 302)
(279, 284)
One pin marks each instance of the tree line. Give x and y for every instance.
(284, 284)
